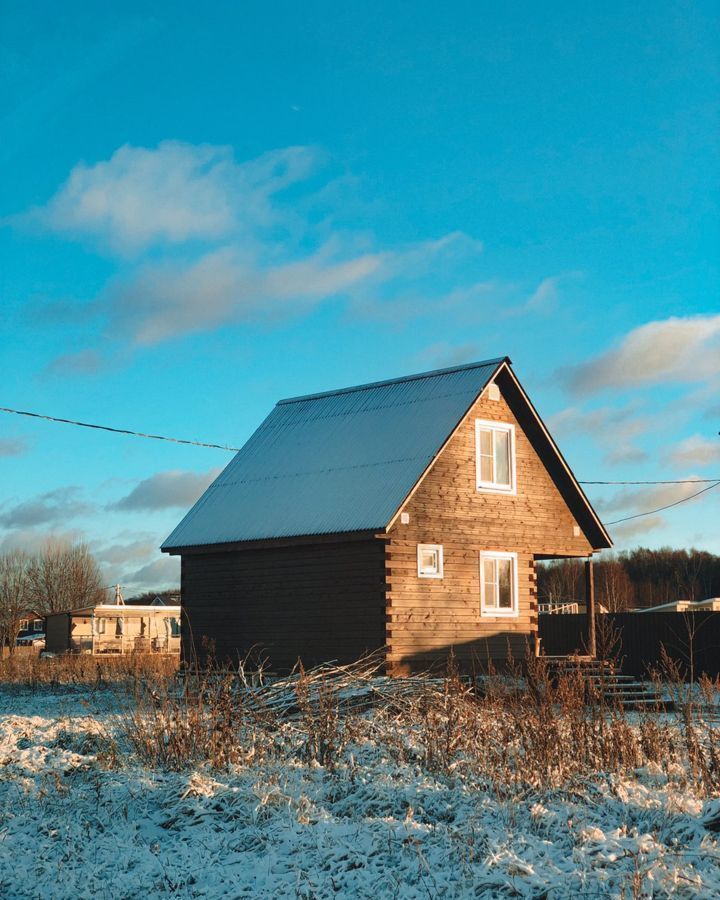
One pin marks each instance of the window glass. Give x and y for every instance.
(495, 456)
(430, 560)
(504, 569)
(498, 589)
(502, 457)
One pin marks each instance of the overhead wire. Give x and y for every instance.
(154, 437)
(711, 482)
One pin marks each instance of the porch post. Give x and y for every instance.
(590, 606)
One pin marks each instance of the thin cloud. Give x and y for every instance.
(46, 509)
(696, 450)
(158, 575)
(34, 541)
(13, 446)
(545, 297)
(613, 428)
(82, 363)
(684, 349)
(640, 527)
(167, 490)
(631, 501)
(166, 301)
(121, 554)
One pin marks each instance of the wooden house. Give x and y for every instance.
(111, 628)
(406, 514)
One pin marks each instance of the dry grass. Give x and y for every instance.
(523, 730)
(516, 733)
(30, 670)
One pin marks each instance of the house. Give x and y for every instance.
(114, 628)
(406, 514)
(710, 605)
(32, 627)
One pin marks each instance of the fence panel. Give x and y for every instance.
(691, 639)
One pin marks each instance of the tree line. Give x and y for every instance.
(634, 578)
(60, 576)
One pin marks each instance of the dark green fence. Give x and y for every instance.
(691, 639)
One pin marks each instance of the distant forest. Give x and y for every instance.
(634, 578)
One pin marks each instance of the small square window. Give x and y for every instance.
(430, 560)
(37, 625)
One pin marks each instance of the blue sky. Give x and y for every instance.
(206, 209)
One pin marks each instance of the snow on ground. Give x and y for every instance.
(75, 821)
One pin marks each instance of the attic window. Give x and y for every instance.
(37, 625)
(495, 456)
(430, 560)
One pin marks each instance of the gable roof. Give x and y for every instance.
(334, 462)
(346, 460)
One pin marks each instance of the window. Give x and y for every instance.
(100, 625)
(430, 561)
(24, 625)
(172, 626)
(37, 625)
(495, 456)
(498, 584)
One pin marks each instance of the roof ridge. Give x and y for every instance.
(404, 378)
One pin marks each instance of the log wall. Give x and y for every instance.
(317, 602)
(426, 617)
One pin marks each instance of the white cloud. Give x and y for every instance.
(176, 488)
(696, 450)
(174, 193)
(675, 349)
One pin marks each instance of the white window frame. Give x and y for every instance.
(24, 625)
(100, 625)
(37, 626)
(493, 611)
(422, 548)
(491, 487)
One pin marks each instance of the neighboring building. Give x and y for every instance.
(32, 627)
(406, 514)
(114, 629)
(568, 607)
(710, 605)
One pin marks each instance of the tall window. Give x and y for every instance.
(498, 584)
(495, 456)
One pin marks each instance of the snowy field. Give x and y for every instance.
(79, 817)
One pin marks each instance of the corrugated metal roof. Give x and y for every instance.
(334, 462)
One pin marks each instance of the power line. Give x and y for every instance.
(154, 437)
(670, 481)
(661, 508)
(713, 483)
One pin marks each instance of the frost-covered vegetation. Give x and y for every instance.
(340, 783)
